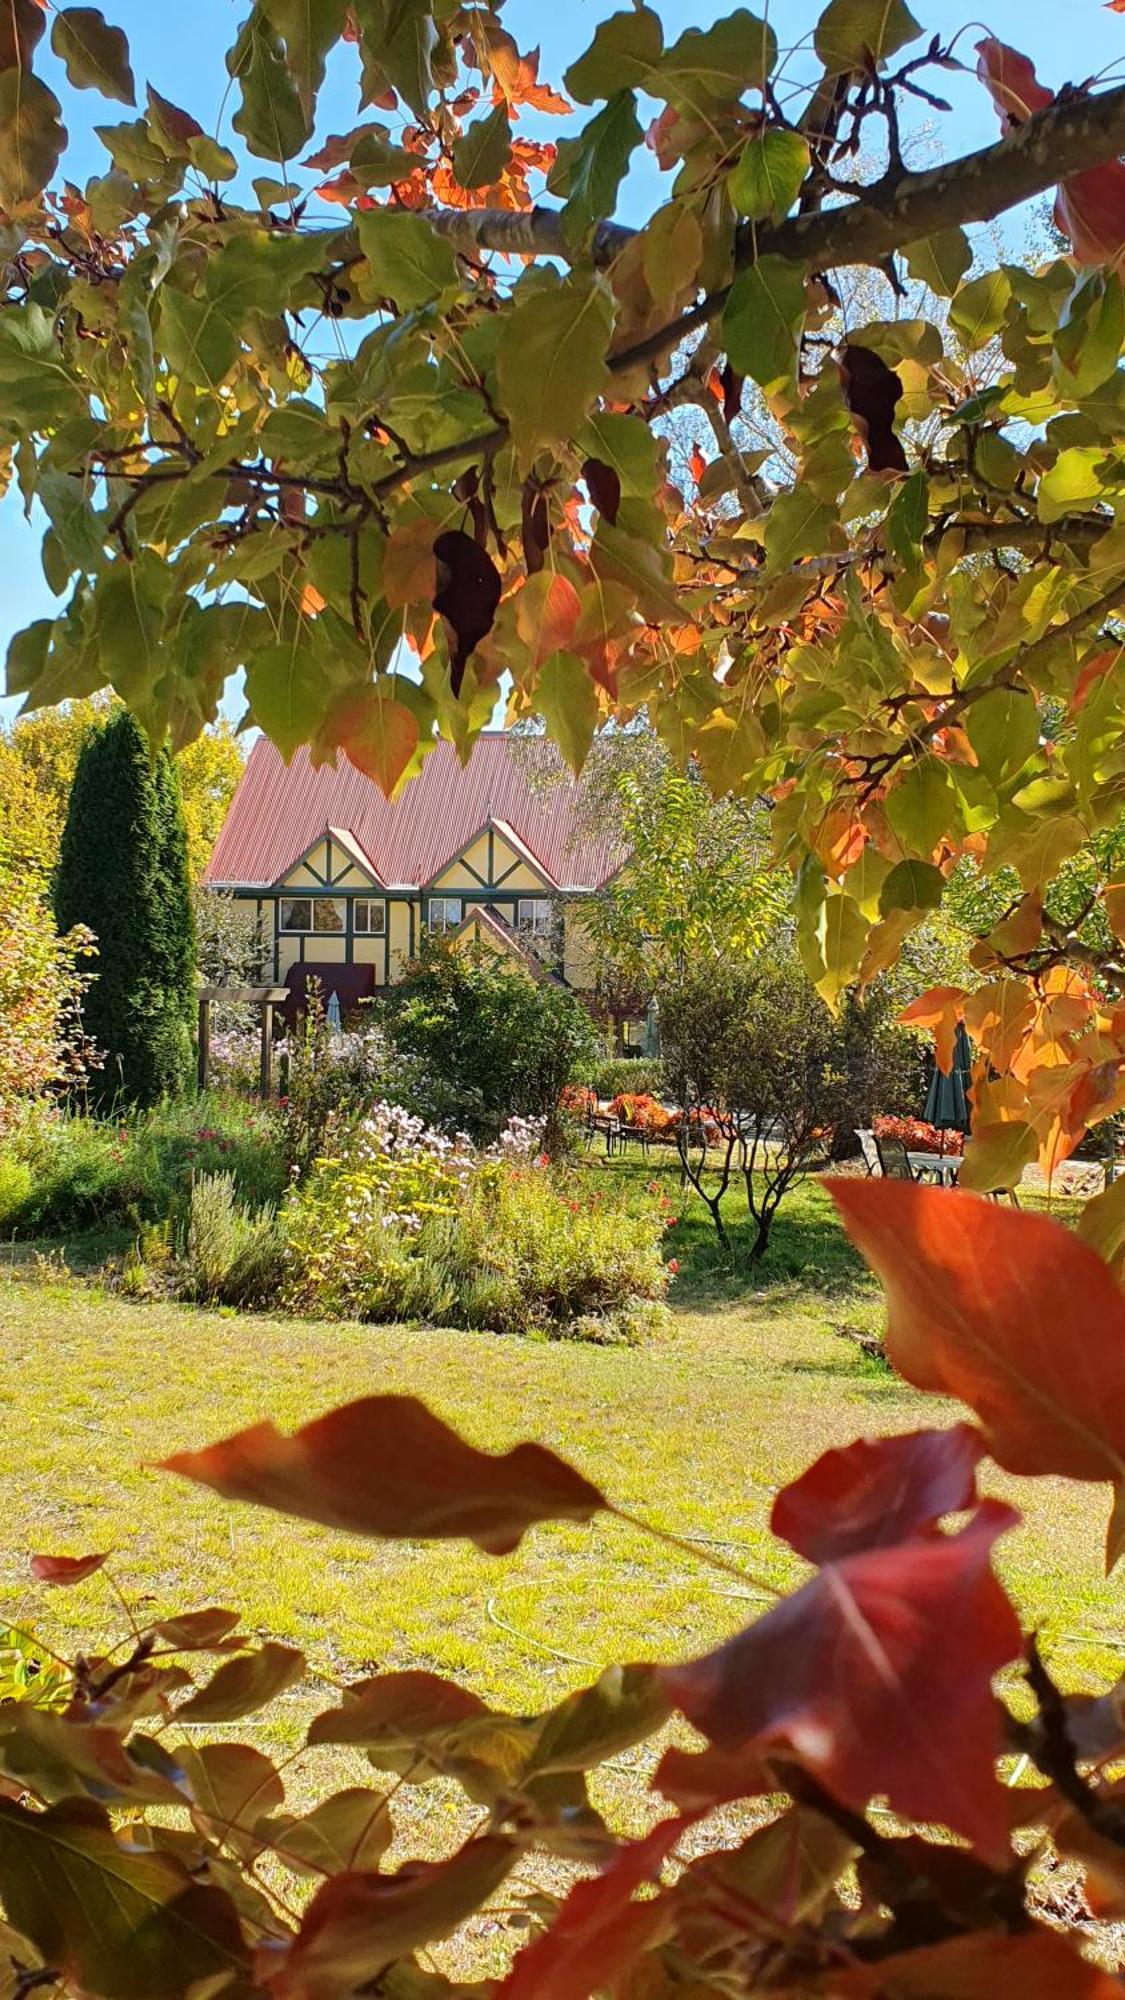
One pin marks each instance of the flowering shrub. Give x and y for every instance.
(579, 1100)
(42, 980)
(918, 1136)
(408, 1223)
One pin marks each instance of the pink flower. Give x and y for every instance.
(543, 1160)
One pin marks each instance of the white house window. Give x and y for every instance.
(534, 916)
(444, 913)
(369, 919)
(312, 913)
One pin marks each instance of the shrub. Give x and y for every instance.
(230, 1255)
(89, 1173)
(410, 1224)
(645, 1115)
(15, 1188)
(920, 1137)
(490, 1043)
(43, 977)
(616, 1074)
(533, 1251)
(330, 1074)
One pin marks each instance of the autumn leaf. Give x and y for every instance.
(65, 1570)
(600, 1930)
(467, 593)
(939, 1009)
(878, 1491)
(876, 1677)
(977, 1297)
(386, 1466)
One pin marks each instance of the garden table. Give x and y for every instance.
(946, 1166)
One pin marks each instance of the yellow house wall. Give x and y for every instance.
(288, 953)
(398, 929)
(521, 877)
(302, 878)
(350, 877)
(369, 951)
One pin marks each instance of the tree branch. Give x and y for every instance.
(1066, 138)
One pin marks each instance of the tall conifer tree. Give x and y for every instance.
(123, 872)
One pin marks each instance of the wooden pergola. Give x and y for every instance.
(265, 998)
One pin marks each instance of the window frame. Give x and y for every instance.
(312, 928)
(376, 905)
(534, 929)
(445, 926)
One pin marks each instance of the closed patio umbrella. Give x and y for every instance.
(947, 1100)
(332, 1013)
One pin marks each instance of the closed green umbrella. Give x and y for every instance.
(947, 1100)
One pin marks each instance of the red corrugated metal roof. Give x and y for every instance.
(280, 810)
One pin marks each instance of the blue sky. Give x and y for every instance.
(180, 50)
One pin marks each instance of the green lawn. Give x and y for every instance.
(693, 1433)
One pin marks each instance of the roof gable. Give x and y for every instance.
(280, 811)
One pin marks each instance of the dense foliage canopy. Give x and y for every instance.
(861, 621)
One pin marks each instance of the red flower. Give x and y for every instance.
(673, 1265)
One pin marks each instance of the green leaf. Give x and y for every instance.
(977, 311)
(622, 56)
(410, 263)
(1089, 340)
(129, 610)
(214, 162)
(310, 27)
(625, 443)
(287, 690)
(734, 55)
(398, 42)
(833, 953)
(767, 179)
(198, 339)
(762, 319)
(96, 56)
(911, 885)
(243, 1685)
(589, 169)
(482, 152)
(1075, 481)
(798, 524)
(352, 1829)
(997, 1154)
(907, 517)
(940, 261)
(271, 117)
(672, 250)
(81, 535)
(1003, 729)
(922, 806)
(32, 137)
(852, 34)
(568, 700)
(113, 1917)
(551, 361)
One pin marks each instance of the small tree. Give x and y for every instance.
(760, 1066)
(42, 979)
(490, 1042)
(123, 874)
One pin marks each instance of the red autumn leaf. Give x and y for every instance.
(199, 1631)
(385, 1465)
(878, 1491)
(731, 382)
(698, 1780)
(872, 392)
(604, 487)
(1097, 666)
(1090, 209)
(986, 1965)
(1011, 82)
(359, 1922)
(600, 1930)
(65, 1570)
(697, 462)
(397, 1713)
(467, 593)
(979, 1298)
(876, 1677)
(1090, 206)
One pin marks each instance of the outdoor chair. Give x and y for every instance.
(870, 1151)
(894, 1160)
